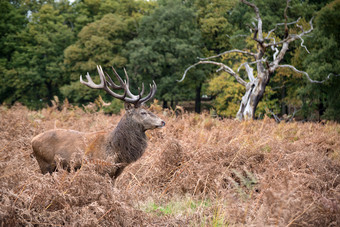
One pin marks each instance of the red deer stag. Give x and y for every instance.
(116, 149)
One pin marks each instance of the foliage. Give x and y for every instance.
(102, 42)
(46, 44)
(168, 40)
(88, 11)
(12, 21)
(228, 94)
(37, 61)
(115, 107)
(214, 24)
(99, 43)
(271, 13)
(323, 59)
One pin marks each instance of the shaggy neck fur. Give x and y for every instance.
(128, 140)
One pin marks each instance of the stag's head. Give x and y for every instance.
(145, 118)
(134, 104)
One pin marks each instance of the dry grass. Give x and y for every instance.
(197, 171)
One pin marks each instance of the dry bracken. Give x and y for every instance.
(197, 171)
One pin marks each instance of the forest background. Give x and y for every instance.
(45, 45)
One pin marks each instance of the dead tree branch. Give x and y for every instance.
(250, 63)
(222, 67)
(285, 117)
(258, 32)
(292, 38)
(280, 24)
(286, 18)
(306, 74)
(228, 52)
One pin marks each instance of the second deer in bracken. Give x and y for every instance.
(115, 149)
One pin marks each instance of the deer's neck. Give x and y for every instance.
(127, 142)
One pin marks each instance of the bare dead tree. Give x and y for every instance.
(256, 86)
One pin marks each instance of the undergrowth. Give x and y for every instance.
(197, 171)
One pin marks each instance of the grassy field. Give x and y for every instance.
(197, 171)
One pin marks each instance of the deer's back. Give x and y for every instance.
(66, 143)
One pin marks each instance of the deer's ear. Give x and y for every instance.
(128, 106)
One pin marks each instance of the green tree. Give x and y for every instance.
(99, 43)
(85, 12)
(215, 29)
(214, 24)
(168, 40)
(324, 58)
(36, 68)
(105, 27)
(12, 21)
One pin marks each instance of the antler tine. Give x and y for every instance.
(90, 82)
(106, 82)
(111, 83)
(119, 78)
(103, 84)
(142, 92)
(135, 97)
(153, 89)
(125, 85)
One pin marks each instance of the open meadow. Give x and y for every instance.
(196, 171)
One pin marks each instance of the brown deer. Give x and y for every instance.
(113, 150)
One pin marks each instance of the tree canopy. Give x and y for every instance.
(323, 60)
(46, 45)
(36, 69)
(167, 40)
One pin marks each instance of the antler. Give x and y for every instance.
(106, 83)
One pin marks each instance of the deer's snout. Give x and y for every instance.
(162, 124)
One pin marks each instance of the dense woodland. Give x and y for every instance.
(45, 45)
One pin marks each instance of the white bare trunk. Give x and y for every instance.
(254, 92)
(246, 110)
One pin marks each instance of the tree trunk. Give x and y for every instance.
(198, 99)
(284, 108)
(321, 109)
(165, 104)
(254, 92)
(50, 92)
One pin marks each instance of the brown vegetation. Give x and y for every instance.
(197, 171)
(116, 149)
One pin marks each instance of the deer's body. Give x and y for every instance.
(116, 149)
(65, 143)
